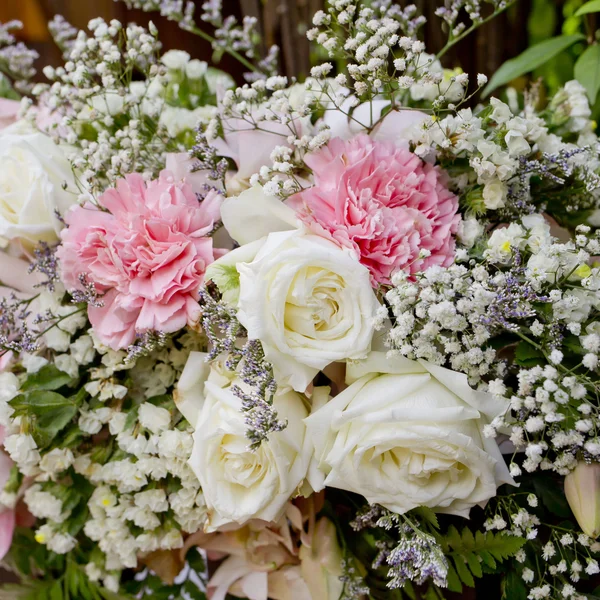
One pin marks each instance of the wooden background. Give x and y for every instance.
(282, 21)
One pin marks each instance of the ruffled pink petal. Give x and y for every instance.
(382, 202)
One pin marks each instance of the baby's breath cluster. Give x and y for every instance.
(16, 60)
(536, 300)
(556, 559)
(116, 122)
(240, 40)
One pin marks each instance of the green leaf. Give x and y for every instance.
(589, 7)
(587, 71)
(193, 591)
(531, 59)
(463, 571)
(513, 587)
(38, 401)
(46, 412)
(56, 592)
(527, 355)
(49, 424)
(49, 377)
(426, 514)
(551, 493)
(487, 558)
(474, 564)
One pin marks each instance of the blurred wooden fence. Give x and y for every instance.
(282, 21)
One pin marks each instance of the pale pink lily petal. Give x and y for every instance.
(14, 273)
(7, 528)
(9, 111)
(180, 164)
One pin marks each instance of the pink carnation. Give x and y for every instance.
(146, 248)
(383, 202)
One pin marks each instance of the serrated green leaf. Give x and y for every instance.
(49, 377)
(488, 559)
(527, 355)
(531, 59)
(463, 571)
(587, 71)
(474, 564)
(467, 538)
(502, 547)
(56, 591)
(453, 537)
(589, 7)
(426, 514)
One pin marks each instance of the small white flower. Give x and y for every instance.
(527, 575)
(154, 418)
(175, 59)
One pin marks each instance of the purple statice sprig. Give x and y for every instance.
(410, 553)
(15, 333)
(45, 262)
(355, 587)
(554, 170)
(88, 294)
(146, 343)
(227, 337)
(514, 299)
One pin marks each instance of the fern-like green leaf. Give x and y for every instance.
(463, 571)
(473, 554)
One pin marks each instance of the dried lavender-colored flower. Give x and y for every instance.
(226, 337)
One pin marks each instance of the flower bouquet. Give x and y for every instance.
(325, 340)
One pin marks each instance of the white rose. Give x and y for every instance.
(408, 434)
(33, 170)
(308, 301)
(238, 483)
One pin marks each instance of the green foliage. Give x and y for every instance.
(46, 413)
(513, 587)
(592, 6)
(541, 23)
(587, 71)
(49, 377)
(47, 403)
(471, 555)
(527, 355)
(530, 59)
(552, 495)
